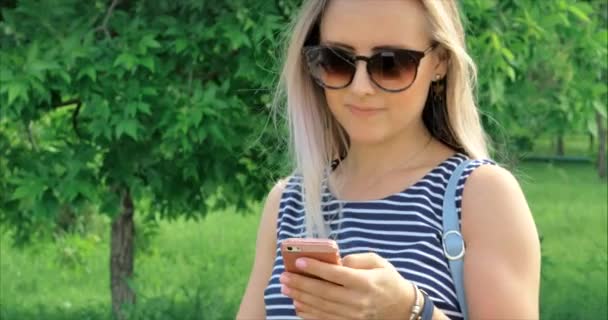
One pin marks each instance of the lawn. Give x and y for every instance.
(198, 270)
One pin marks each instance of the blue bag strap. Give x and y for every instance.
(453, 243)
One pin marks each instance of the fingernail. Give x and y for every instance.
(284, 278)
(284, 289)
(301, 263)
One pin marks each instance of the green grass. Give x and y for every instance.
(570, 209)
(191, 271)
(574, 145)
(199, 270)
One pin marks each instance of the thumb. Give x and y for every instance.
(366, 260)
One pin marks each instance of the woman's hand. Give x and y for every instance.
(366, 287)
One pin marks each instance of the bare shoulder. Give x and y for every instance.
(274, 198)
(502, 246)
(493, 199)
(267, 227)
(278, 188)
(492, 180)
(491, 185)
(270, 213)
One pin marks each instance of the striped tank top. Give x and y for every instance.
(404, 228)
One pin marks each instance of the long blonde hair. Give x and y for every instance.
(316, 138)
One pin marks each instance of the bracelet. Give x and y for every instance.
(428, 308)
(415, 312)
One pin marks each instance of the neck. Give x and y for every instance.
(401, 151)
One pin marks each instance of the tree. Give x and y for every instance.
(542, 67)
(107, 103)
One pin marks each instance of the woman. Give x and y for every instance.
(395, 125)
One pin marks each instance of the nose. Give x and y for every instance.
(362, 84)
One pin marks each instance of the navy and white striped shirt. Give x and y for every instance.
(405, 228)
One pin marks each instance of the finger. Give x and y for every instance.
(304, 301)
(307, 316)
(304, 308)
(334, 273)
(320, 288)
(367, 260)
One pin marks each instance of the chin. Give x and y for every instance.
(366, 137)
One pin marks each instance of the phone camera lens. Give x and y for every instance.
(289, 248)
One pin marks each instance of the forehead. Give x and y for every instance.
(364, 24)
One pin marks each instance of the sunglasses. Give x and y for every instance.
(392, 70)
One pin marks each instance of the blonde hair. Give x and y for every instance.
(316, 138)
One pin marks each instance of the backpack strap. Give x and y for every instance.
(453, 243)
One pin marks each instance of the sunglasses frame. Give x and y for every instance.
(414, 54)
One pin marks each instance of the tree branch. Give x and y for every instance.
(104, 25)
(30, 136)
(67, 103)
(75, 119)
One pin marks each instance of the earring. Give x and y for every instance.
(437, 77)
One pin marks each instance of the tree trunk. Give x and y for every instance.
(560, 145)
(601, 141)
(121, 257)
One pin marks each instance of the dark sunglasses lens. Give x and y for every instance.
(333, 67)
(393, 70)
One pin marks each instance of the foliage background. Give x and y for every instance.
(168, 100)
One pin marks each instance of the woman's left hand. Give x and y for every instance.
(366, 286)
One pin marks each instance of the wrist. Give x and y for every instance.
(428, 307)
(416, 302)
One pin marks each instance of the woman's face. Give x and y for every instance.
(362, 25)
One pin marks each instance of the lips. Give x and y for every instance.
(363, 110)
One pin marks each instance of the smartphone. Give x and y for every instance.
(325, 250)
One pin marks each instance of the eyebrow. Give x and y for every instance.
(376, 48)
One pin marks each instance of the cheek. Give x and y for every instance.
(403, 110)
(335, 102)
(410, 101)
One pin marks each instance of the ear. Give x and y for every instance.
(441, 58)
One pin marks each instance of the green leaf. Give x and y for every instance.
(511, 73)
(128, 126)
(143, 107)
(149, 91)
(88, 71)
(507, 54)
(40, 89)
(30, 188)
(578, 13)
(196, 115)
(147, 62)
(131, 109)
(15, 90)
(495, 41)
(39, 65)
(135, 107)
(148, 41)
(180, 44)
(127, 60)
(32, 52)
(65, 76)
(70, 189)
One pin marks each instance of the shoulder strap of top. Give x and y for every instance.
(453, 243)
